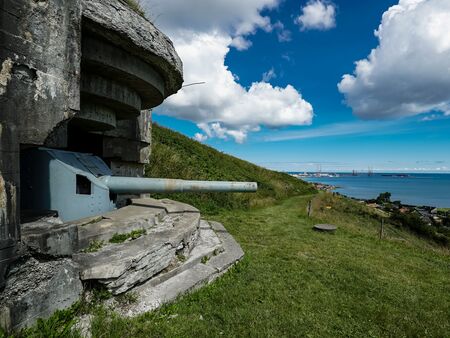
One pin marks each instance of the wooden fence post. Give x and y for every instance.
(382, 228)
(309, 208)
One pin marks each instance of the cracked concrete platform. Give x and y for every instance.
(196, 272)
(121, 266)
(177, 253)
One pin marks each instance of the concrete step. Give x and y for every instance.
(50, 236)
(152, 294)
(148, 214)
(124, 220)
(169, 206)
(232, 253)
(207, 246)
(121, 266)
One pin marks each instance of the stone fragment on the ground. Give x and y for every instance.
(325, 227)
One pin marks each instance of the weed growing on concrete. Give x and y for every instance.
(136, 6)
(182, 258)
(100, 294)
(127, 298)
(94, 246)
(60, 324)
(120, 238)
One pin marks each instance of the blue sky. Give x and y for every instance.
(397, 130)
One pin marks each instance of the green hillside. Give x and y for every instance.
(293, 281)
(177, 156)
(296, 282)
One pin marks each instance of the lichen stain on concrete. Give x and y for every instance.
(39, 3)
(46, 84)
(40, 84)
(13, 200)
(69, 114)
(5, 317)
(28, 36)
(5, 74)
(3, 201)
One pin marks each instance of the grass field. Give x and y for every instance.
(295, 282)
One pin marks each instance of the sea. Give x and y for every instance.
(412, 189)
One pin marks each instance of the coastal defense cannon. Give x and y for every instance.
(137, 185)
(78, 185)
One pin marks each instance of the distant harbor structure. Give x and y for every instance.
(314, 174)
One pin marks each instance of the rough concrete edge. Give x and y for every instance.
(64, 267)
(138, 32)
(201, 273)
(170, 206)
(232, 254)
(188, 264)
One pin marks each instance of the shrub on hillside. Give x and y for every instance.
(383, 198)
(414, 222)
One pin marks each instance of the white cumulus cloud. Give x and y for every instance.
(221, 106)
(408, 73)
(241, 43)
(234, 16)
(317, 14)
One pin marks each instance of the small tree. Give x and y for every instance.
(384, 197)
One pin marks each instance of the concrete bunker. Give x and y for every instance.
(117, 89)
(78, 76)
(78, 79)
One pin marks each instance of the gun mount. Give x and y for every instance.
(78, 185)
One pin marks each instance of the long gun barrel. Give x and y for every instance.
(137, 185)
(79, 185)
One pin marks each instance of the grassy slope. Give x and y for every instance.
(176, 156)
(292, 281)
(297, 282)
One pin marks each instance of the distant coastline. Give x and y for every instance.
(363, 173)
(413, 189)
(324, 187)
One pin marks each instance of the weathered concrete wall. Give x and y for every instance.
(42, 41)
(130, 141)
(73, 73)
(129, 149)
(41, 86)
(39, 89)
(138, 36)
(37, 289)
